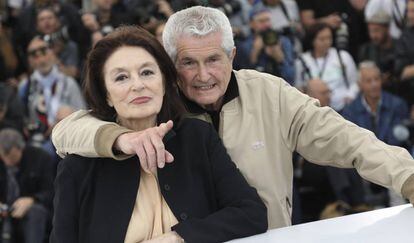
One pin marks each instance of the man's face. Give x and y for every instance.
(378, 33)
(320, 91)
(410, 12)
(261, 22)
(41, 57)
(12, 158)
(204, 69)
(370, 83)
(47, 22)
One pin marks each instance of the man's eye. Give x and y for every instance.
(121, 77)
(188, 63)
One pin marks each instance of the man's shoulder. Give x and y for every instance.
(393, 100)
(250, 75)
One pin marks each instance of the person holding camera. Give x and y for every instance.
(49, 26)
(26, 188)
(104, 19)
(264, 49)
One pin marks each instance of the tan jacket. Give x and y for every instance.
(260, 129)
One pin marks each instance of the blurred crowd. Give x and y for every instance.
(351, 55)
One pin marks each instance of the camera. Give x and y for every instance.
(270, 37)
(61, 35)
(404, 133)
(342, 34)
(227, 7)
(5, 209)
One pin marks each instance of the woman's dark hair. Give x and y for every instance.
(94, 85)
(311, 34)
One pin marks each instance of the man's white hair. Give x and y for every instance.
(367, 65)
(197, 21)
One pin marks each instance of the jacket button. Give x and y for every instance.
(167, 187)
(183, 216)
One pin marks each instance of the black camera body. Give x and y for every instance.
(270, 37)
(61, 35)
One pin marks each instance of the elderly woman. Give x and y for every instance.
(323, 61)
(201, 197)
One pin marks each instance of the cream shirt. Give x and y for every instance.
(151, 216)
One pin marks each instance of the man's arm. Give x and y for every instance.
(323, 137)
(82, 134)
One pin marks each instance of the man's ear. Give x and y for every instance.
(233, 54)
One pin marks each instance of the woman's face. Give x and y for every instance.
(323, 40)
(134, 83)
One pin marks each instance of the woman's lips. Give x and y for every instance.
(140, 100)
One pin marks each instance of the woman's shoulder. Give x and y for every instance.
(76, 165)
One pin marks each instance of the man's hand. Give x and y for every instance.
(148, 145)
(21, 206)
(276, 52)
(408, 72)
(170, 237)
(90, 22)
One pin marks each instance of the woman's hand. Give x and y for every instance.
(170, 237)
(148, 145)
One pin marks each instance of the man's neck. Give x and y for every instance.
(372, 103)
(387, 44)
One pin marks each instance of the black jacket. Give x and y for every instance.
(35, 176)
(206, 192)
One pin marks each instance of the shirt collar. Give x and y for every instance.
(368, 108)
(231, 93)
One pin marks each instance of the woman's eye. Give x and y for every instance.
(121, 77)
(147, 72)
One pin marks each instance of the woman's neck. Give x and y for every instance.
(138, 125)
(320, 53)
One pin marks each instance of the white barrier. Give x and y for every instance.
(395, 224)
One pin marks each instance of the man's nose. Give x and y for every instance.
(203, 73)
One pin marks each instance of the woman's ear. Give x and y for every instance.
(109, 102)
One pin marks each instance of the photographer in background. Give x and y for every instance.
(26, 187)
(104, 19)
(49, 26)
(238, 13)
(148, 13)
(264, 49)
(342, 16)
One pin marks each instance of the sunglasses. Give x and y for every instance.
(38, 51)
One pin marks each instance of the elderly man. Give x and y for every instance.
(374, 109)
(260, 118)
(26, 185)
